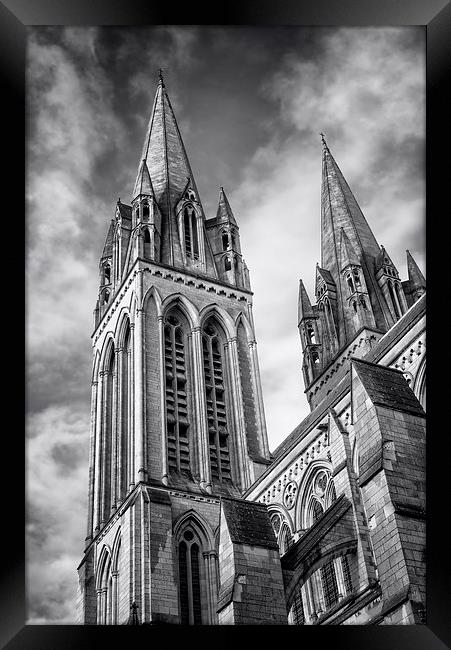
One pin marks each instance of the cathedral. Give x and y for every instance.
(191, 519)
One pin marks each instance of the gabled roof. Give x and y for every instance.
(325, 275)
(383, 259)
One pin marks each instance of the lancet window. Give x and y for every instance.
(177, 422)
(189, 579)
(191, 235)
(218, 433)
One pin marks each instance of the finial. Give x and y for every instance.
(160, 76)
(119, 200)
(323, 139)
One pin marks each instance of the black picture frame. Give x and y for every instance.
(435, 15)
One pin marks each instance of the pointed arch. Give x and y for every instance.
(303, 490)
(103, 563)
(242, 319)
(184, 304)
(152, 293)
(223, 318)
(199, 523)
(116, 550)
(96, 366)
(107, 351)
(120, 331)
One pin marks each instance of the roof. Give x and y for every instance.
(248, 523)
(224, 212)
(387, 387)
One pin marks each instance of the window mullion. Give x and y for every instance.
(190, 585)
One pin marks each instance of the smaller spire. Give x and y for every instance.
(143, 183)
(416, 278)
(224, 212)
(305, 309)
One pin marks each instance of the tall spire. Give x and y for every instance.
(164, 160)
(339, 209)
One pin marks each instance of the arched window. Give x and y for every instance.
(218, 434)
(393, 299)
(225, 241)
(107, 273)
(315, 358)
(145, 211)
(227, 264)
(363, 302)
(147, 246)
(189, 579)
(177, 423)
(106, 296)
(399, 296)
(350, 283)
(282, 532)
(357, 281)
(137, 213)
(310, 331)
(191, 235)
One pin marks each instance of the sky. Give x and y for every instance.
(250, 103)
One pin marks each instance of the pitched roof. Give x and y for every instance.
(387, 387)
(248, 523)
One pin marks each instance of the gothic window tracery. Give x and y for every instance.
(227, 264)
(145, 211)
(177, 422)
(218, 433)
(282, 532)
(147, 246)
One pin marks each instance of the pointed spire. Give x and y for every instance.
(108, 246)
(339, 209)
(143, 184)
(383, 259)
(305, 309)
(416, 278)
(347, 252)
(224, 212)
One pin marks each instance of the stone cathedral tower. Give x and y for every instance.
(177, 418)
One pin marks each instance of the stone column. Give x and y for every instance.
(131, 412)
(98, 448)
(164, 437)
(119, 425)
(140, 469)
(210, 560)
(237, 401)
(114, 435)
(99, 607)
(260, 410)
(114, 597)
(92, 455)
(103, 459)
(201, 410)
(340, 578)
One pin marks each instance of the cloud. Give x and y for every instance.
(88, 101)
(57, 479)
(365, 89)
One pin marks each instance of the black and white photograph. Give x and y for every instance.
(226, 325)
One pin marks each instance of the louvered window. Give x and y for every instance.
(346, 574)
(191, 236)
(330, 586)
(218, 436)
(297, 610)
(189, 580)
(177, 423)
